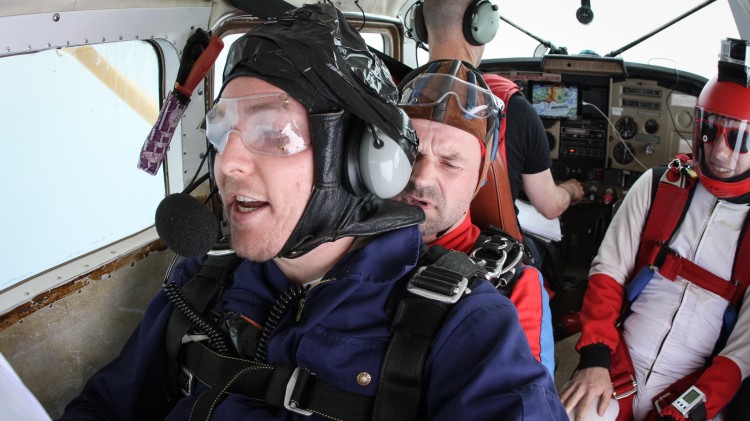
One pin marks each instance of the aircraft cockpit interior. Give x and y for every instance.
(86, 85)
(607, 121)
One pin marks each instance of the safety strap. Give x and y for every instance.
(203, 293)
(424, 303)
(674, 190)
(294, 388)
(419, 315)
(670, 190)
(504, 89)
(671, 265)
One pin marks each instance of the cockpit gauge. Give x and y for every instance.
(626, 127)
(651, 126)
(623, 153)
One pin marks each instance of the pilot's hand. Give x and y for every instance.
(586, 386)
(574, 189)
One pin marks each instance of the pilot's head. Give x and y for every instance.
(308, 137)
(456, 117)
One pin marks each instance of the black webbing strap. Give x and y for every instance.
(294, 388)
(202, 292)
(419, 316)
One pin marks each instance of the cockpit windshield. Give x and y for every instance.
(691, 44)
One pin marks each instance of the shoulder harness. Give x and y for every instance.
(673, 188)
(440, 280)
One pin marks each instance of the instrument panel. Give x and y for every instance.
(607, 122)
(629, 117)
(651, 124)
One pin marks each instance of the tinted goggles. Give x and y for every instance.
(268, 124)
(431, 89)
(736, 132)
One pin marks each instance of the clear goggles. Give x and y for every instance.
(430, 89)
(268, 124)
(736, 133)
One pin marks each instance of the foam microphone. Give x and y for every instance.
(186, 226)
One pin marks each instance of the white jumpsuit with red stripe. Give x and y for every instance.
(674, 325)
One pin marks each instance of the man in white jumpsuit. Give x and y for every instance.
(674, 325)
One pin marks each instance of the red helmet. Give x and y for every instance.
(722, 114)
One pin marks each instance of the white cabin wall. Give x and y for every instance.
(58, 347)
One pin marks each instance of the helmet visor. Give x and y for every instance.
(722, 143)
(736, 133)
(431, 89)
(268, 124)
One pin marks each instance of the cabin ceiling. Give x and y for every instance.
(16, 7)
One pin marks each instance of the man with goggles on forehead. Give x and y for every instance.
(303, 323)
(459, 30)
(667, 306)
(456, 117)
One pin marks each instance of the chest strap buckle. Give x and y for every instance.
(290, 403)
(438, 283)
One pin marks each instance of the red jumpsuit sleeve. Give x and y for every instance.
(719, 382)
(601, 308)
(527, 297)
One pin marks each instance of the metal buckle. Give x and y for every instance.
(187, 388)
(459, 288)
(496, 268)
(628, 392)
(288, 403)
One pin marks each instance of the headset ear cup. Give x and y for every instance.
(352, 179)
(481, 22)
(383, 164)
(418, 27)
(375, 163)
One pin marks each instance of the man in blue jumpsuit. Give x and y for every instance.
(322, 257)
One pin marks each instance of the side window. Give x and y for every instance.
(73, 123)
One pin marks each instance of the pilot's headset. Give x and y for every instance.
(480, 22)
(452, 92)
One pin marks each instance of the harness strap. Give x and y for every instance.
(425, 303)
(668, 194)
(203, 291)
(674, 190)
(294, 388)
(671, 265)
(419, 315)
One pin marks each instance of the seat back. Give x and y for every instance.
(493, 205)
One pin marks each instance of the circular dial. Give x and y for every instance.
(626, 127)
(651, 126)
(623, 154)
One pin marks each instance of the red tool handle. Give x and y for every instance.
(201, 67)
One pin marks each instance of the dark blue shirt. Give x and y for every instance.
(480, 366)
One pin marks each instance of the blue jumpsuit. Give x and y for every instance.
(480, 366)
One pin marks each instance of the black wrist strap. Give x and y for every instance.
(698, 413)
